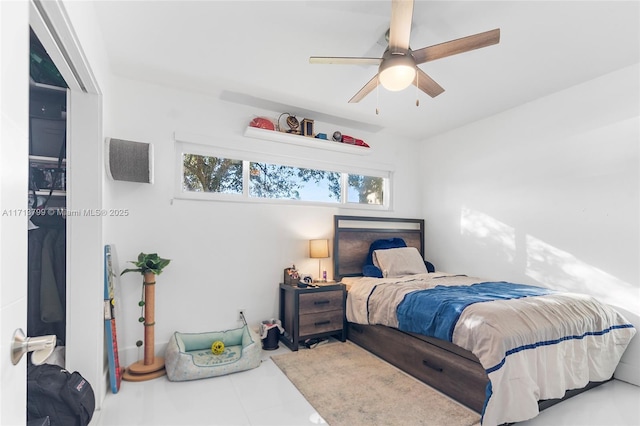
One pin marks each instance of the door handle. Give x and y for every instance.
(41, 346)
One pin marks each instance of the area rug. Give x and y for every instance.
(349, 386)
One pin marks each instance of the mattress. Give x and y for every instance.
(534, 343)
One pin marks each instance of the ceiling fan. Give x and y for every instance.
(398, 67)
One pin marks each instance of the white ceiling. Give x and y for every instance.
(257, 53)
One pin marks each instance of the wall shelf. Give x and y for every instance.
(309, 142)
(50, 163)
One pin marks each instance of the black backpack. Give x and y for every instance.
(66, 398)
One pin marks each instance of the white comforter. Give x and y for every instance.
(532, 348)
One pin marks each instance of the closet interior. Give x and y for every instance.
(46, 312)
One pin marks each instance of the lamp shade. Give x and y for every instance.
(318, 249)
(397, 72)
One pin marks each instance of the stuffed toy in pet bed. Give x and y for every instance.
(191, 356)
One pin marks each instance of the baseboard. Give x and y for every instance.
(628, 370)
(629, 373)
(132, 354)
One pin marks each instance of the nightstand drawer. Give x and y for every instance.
(321, 322)
(321, 302)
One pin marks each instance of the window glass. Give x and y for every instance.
(365, 189)
(205, 173)
(211, 174)
(293, 183)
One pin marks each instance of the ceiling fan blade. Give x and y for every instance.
(427, 84)
(372, 84)
(400, 26)
(344, 60)
(454, 47)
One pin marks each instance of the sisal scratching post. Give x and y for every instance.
(151, 366)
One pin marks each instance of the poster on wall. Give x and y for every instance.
(110, 313)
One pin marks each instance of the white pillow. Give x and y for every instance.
(400, 261)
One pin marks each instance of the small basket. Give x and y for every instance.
(291, 276)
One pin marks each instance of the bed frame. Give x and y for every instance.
(442, 365)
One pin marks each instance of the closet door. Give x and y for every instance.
(14, 143)
(85, 247)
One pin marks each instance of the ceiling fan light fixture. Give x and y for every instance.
(397, 72)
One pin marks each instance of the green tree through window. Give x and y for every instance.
(202, 173)
(286, 182)
(365, 189)
(212, 174)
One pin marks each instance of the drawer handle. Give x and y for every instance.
(321, 302)
(431, 366)
(322, 322)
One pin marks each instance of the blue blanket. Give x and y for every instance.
(435, 312)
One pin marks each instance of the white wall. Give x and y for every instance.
(545, 193)
(225, 255)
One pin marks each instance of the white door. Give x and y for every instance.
(84, 142)
(14, 151)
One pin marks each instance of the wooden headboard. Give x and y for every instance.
(352, 236)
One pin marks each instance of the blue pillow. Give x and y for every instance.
(429, 265)
(371, 271)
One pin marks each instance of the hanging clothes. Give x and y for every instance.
(47, 281)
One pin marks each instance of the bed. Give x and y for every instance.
(384, 317)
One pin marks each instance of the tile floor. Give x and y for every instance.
(264, 396)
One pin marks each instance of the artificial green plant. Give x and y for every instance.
(148, 263)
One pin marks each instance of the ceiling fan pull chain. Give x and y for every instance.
(377, 97)
(417, 93)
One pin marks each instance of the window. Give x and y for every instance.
(210, 174)
(365, 189)
(293, 183)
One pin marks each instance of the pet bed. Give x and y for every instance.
(189, 356)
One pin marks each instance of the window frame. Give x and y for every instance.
(186, 147)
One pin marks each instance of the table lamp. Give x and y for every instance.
(319, 249)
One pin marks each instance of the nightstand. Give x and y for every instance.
(312, 312)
